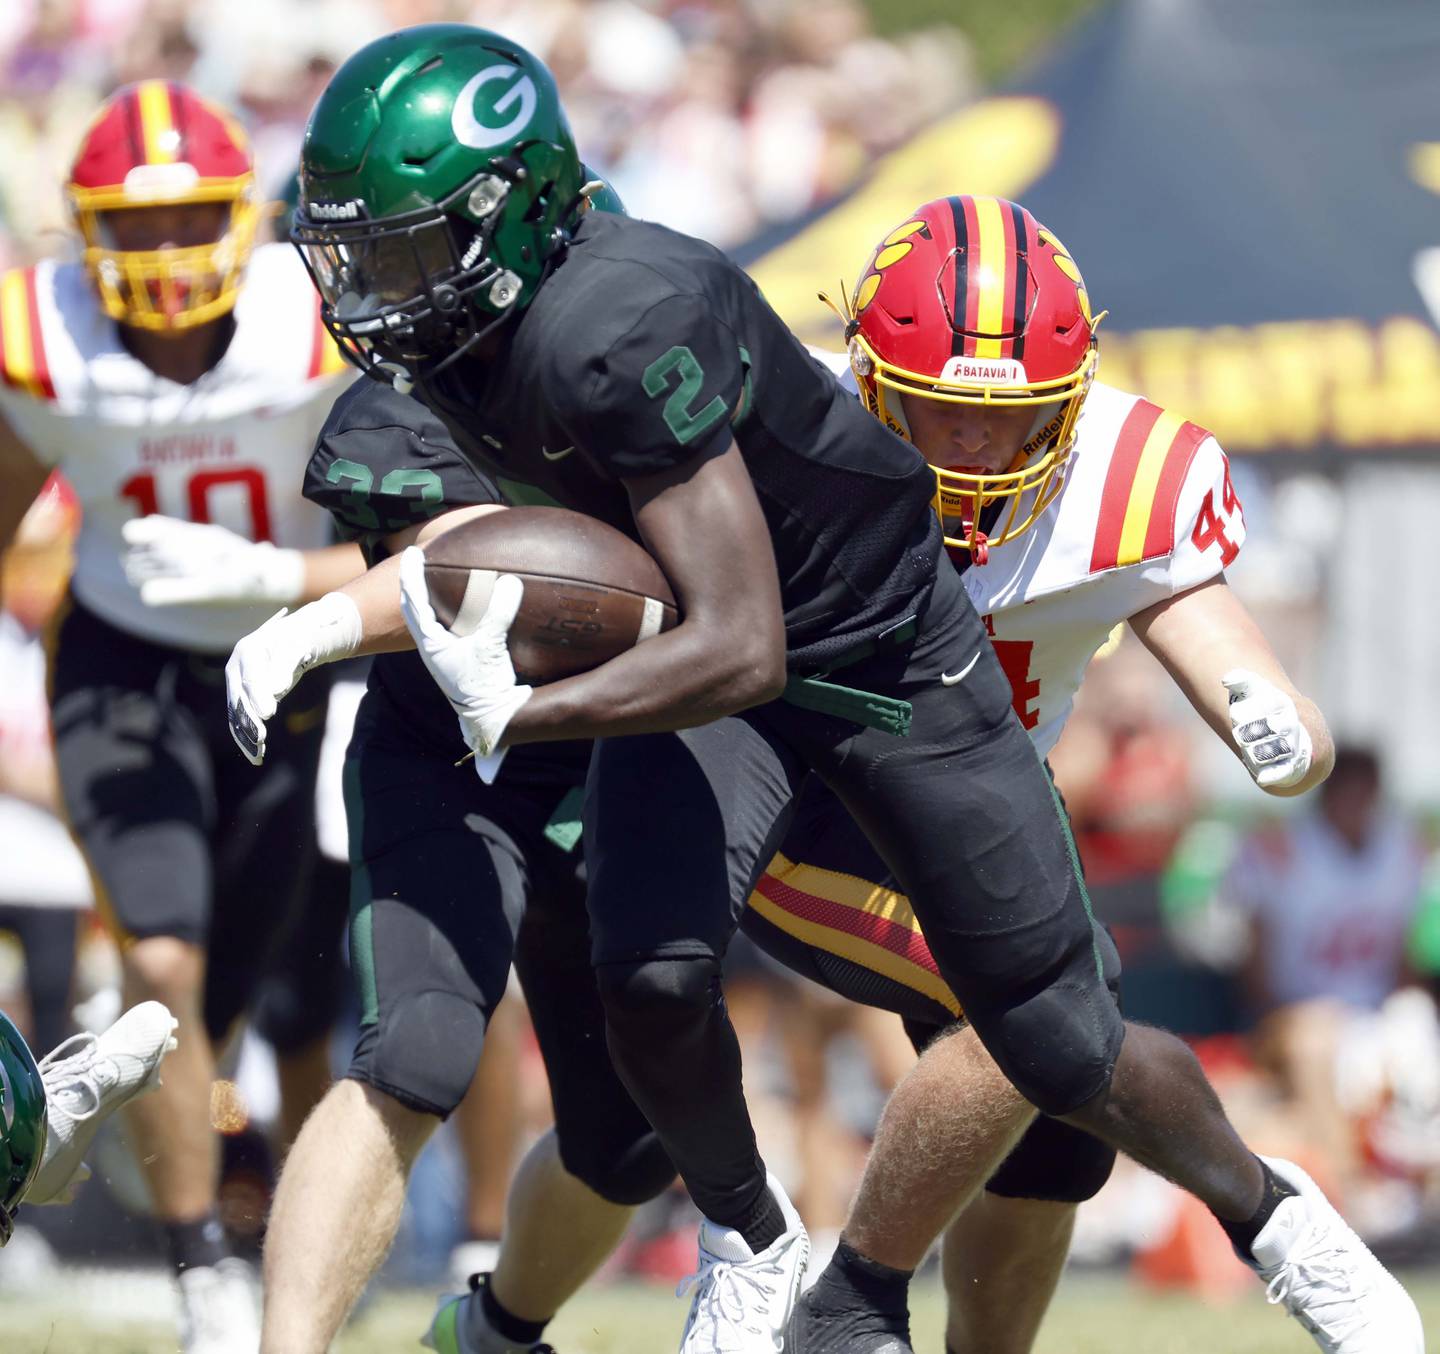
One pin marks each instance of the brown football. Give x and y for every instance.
(590, 591)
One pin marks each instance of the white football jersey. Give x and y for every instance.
(230, 448)
(1146, 510)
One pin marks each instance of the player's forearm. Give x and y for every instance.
(1221, 660)
(376, 592)
(703, 524)
(376, 595)
(678, 680)
(329, 569)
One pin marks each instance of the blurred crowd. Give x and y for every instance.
(715, 116)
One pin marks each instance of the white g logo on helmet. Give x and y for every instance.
(470, 131)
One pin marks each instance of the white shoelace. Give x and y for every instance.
(718, 1310)
(1319, 1275)
(69, 1073)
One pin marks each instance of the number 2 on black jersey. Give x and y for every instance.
(679, 418)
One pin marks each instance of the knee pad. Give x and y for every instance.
(658, 999)
(1054, 1163)
(1057, 1046)
(629, 1172)
(423, 1051)
(1049, 1014)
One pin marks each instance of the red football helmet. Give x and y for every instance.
(158, 143)
(972, 301)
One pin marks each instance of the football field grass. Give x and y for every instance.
(1090, 1316)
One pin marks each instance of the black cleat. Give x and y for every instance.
(817, 1328)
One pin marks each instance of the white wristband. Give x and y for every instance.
(332, 627)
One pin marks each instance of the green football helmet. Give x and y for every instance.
(23, 1123)
(438, 181)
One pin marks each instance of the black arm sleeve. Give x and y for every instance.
(661, 394)
(384, 462)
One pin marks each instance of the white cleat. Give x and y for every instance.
(1325, 1277)
(86, 1080)
(219, 1313)
(743, 1301)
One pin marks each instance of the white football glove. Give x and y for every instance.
(1274, 743)
(267, 663)
(176, 563)
(474, 671)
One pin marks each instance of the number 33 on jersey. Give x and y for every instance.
(229, 449)
(1147, 511)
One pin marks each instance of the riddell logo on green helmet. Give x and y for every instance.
(468, 128)
(353, 210)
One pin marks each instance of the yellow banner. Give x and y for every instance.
(1289, 387)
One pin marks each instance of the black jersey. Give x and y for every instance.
(384, 462)
(646, 349)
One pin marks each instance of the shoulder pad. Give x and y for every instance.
(1147, 471)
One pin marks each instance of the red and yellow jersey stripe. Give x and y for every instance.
(23, 365)
(1152, 457)
(325, 357)
(850, 917)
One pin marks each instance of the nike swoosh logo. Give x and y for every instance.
(555, 455)
(951, 679)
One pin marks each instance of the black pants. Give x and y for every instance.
(184, 837)
(679, 826)
(452, 879)
(830, 909)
